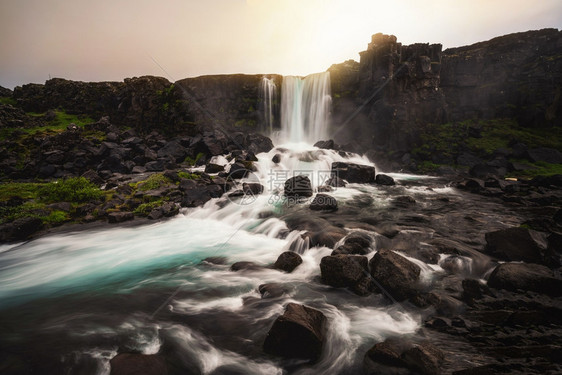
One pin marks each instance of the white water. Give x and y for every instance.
(268, 93)
(166, 258)
(305, 108)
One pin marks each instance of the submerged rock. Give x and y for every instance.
(299, 333)
(324, 202)
(383, 179)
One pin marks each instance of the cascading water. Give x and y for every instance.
(268, 91)
(89, 294)
(305, 108)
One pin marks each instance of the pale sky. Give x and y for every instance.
(109, 40)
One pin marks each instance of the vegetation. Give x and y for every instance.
(7, 100)
(154, 181)
(145, 208)
(191, 161)
(74, 189)
(188, 176)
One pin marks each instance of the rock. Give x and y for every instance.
(298, 333)
(288, 261)
(298, 187)
(252, 188)
(484, 171)
(20, 229)
(517, 244)
(544, 154)
(328, 236)
(404, 201)
(329, 144)
(194, 194)
(276, 158)
(93, 177)
(119, 217)
(138, 364)
(271, 290)
(324, 202)
(474, 290)
(355, 243)
(168, 209)
(238, 170)
(354, 173)
(383, 179)
(213, 168)
(245, 266)
(527, 277)
(384, 358)
(155, 166)
(396, 274)
(343, 270)
(258, 143)
(336, 182)
(424, 358)
(468, 159)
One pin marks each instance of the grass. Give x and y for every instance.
(191, 161)
(154, 181)
(75, 189)
(188, 176)
(7, 100)
(540, 169)
(145, 208)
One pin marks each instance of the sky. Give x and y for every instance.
(109, 40)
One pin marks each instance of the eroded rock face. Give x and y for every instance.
(299, 333)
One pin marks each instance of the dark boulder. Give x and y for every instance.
(517, 244)
(526, 277)
(258, 143)
(119, 217)
(484, 171)
(544, 154)
(383, 179)
(329, 144)
(288, 261)
(343, 270)
(298, 333)
(396, 274)
(355, 243)
(174, 151)
(93, 177)
(403, 201)
(194, 194)
(245, 266)
(138, 364)
(213, 168)
(336, 182)
(298, 187)
(168, 209)
(354, 173)
(20, 229)
(276, 158)
(424, 358)
(238, 170)
(384, 358)
(324, 202)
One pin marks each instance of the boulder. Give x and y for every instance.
(396, 274)
(276, 158)
(174, 151)
(424, 359)
(298, 187)
(119, 217)
(343, 270)
(354, 173)
(355, 243)
(484, 170)
(324, 202)
(544, 154)
(517, 244)
(527, 277)
(238, 170)
(213, 168)
(194, 194)
(383, 179)
(245, 266)
(20, 229)
(138, 364)
(288, 261)
(329, 144)
(298, 333)
(384, 358)
(336, 182)
(271, 290)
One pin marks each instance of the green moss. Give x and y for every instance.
(189, 176)
(145, 208)
(428, 167)
(154, 181)
(191, 161)
(55, 217)
(74, 189)
(539, 169)
(22, 190)
(7, 100)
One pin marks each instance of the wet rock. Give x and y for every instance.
(288, 261)
(93, 177)
(526, 277)
(335, 182)
(138, 364)
(396, 274)
(517, 244)
(355, 243)
(544, 154)
(404, 201)
(343, 270)
(218, 260)
(474, 290)
(424, 358)
(384, 358)
(238, 170)
(168, 209)
(324, 202)
(298, 186)
(252, 188)
(213, 168)
(276, 158)
(245, 266)
(354, 173)
(298, 333)
(119, 217)
(383, 179)
(329, 144)
(20, 229)
(194, 194)
(271, 290)
(328, 237)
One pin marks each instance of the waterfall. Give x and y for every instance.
(305, 108)
(268, 95)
